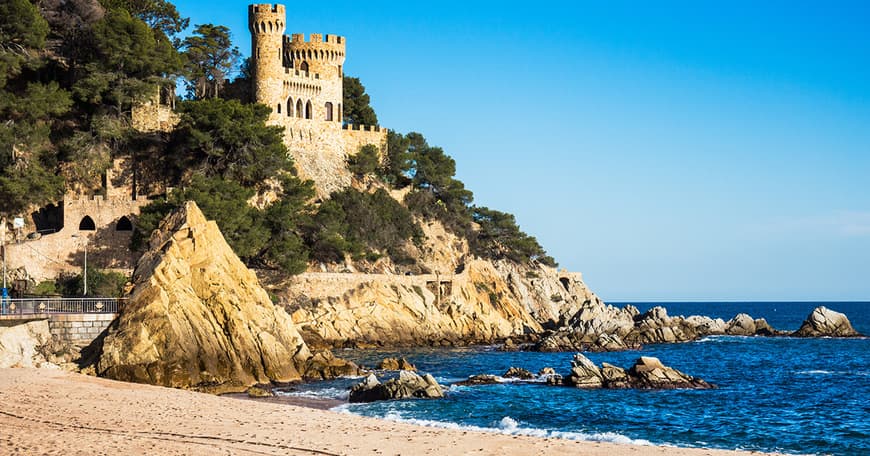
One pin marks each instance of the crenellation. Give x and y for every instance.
(305, 90)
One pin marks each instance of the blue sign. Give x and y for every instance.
(4, 298)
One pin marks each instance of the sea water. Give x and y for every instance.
(774, 394)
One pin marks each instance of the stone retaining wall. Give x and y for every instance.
(80, 329)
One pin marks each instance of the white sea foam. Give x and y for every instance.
(325, 393)
(509, 426)
(827, 372)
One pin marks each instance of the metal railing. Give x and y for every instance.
(35, 306)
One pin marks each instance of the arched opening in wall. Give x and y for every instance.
(329, 111)
(565, 283)
(87, 224)
(304, 67)
(124, 224)
(290, 107)
(308, 113)
(299, 108)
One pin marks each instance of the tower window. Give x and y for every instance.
(304, 67)
(279, 108)
(290, 107)
(329, 111)
(299, 109)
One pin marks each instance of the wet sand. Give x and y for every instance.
(52, 412)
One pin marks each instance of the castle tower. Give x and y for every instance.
(267, 23)
(301, 80)
(323, 58)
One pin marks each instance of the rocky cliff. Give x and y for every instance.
(474, 306)
(198, 318)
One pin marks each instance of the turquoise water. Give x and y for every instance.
(775, 394)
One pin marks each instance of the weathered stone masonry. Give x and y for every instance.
(302, 81)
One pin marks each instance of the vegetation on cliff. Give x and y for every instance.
(72, 71)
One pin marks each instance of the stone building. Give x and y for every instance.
(301, 80)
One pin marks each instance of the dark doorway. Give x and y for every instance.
(124, 224)
(87, 224)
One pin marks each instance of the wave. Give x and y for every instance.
(324, 393)
(508, 426)
(827, 372)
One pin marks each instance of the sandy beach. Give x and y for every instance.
(56, 412)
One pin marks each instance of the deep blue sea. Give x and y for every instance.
(775, 394)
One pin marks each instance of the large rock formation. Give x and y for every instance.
(598, 327)
(474, 306)
(198, 317)
(20, 344)
(407, 385)
(823, 322)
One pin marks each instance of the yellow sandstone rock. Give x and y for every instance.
(198, 318)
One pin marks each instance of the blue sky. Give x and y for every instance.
(676, 150)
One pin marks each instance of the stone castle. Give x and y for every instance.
(302, 82)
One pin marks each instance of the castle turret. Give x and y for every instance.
(324, 56)
(267, 23)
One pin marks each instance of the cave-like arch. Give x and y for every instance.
(124, 224)
(87, 224)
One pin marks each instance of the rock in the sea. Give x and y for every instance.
(741, 325)
(650, 373)
(546, 371)
(584, 373)
(259, 391)
(396, 364)
(481, 379)
(615, 377)
(407, 385)
(324, 365)
(824, 322)
(519, 372)
(647, 373)
(198, 318)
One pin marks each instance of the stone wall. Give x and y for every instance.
(321, 285)
(104, 224)
(79, 329)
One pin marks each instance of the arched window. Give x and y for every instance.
(290, 107)
(299, 108)
(304, 67)
(87, 224)
(308, 110)
(124, 224)
(329, 111)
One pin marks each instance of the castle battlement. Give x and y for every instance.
(317, 38)
(361, 127)
(299, 74)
